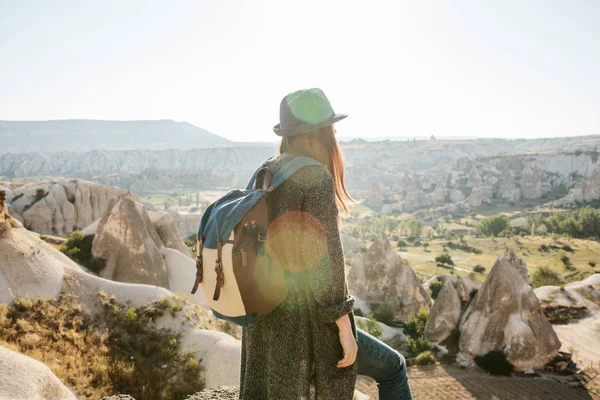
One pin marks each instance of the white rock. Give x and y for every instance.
(506, 314)
(444, 315)
(23, 378)
(387, 282)
(128, 241)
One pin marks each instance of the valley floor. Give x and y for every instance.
(442, 382)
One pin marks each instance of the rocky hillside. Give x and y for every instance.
(33, 269)
(86, 134)
(560, 179)
(392, 175)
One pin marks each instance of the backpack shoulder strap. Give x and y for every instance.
(285, 172)
(290, 168)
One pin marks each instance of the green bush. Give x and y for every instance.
(444, 259)
(565, 260)
(79, 249)
(416, 346)
(495, 363)
(463, 246)
(544, 276)
(425, 358)
(435, 287)
(567, 248)
(415, 326)
(493, 226)
(401, 243)
(370, 325)
(592, 264)
(479, 269)
(358, 312)
(385, 315)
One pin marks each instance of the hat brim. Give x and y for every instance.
(306, 128)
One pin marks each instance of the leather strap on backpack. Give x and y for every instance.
(199, 270)
(219, 271)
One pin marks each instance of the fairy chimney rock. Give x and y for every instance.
(387, 282)
(505, 314)
(445, 314)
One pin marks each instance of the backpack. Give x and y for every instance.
(238, 278)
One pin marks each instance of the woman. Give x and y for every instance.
(312, 338)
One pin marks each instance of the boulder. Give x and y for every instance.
(466, 286)
(387, 282)
(233, 393)
(128, 241)
(505, 314)
(444, 315)
(163, 223)
(39, 217)
(186, 223)
(23, 378)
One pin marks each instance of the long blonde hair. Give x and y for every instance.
(321, 145)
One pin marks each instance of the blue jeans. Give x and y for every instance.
(384, 364)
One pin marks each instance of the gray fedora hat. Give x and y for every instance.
(305, 111)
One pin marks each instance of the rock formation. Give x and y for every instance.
(505, 314)
(60, 207)
(32, 268)
(22, 377)
(129, 243)
(444, 315)
(387, 282)
(466, 286)
(165, 227)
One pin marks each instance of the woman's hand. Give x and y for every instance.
(348, 342)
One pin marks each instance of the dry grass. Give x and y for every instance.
(118, 352)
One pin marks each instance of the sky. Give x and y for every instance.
(497, 68)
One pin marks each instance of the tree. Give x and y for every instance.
(435, 287)
(493, 226)
(425, 245)
(444, 259)
(416, 226)
(479, 269)
(535, 221)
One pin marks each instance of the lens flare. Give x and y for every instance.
(297, 241)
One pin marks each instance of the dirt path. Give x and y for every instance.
(453, 383)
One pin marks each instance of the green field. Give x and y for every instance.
(528, 248)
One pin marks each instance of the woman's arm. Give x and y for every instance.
(322, 252)
(324, 259)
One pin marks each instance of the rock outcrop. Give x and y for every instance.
(467, 285)
(23, 378)
(444, 315)
(128, 241)
(505, 314)
(32, 268)
(387, 282)
(165, 227)
(60, 207)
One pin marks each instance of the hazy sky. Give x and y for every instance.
(504, 68)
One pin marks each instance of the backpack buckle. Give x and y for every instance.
(199, 267)
(219, 271)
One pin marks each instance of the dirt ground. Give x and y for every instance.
(452, 383)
